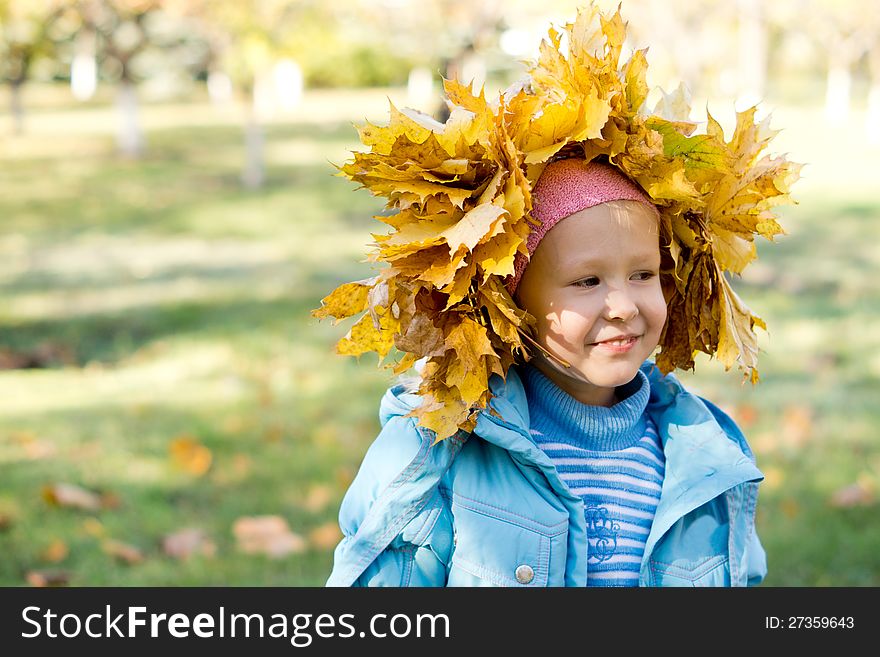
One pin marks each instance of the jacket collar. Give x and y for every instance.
(702, 459)
(697, 448)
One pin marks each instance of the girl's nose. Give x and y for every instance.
(620, 306)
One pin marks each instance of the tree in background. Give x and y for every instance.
(134, 40)
(26, 35)
(247, 38)
(121, 30)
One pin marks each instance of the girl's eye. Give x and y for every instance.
(644, 275)
(589, 281)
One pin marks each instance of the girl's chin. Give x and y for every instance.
(611, 375)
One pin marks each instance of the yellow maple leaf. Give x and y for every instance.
(364, 336)
(473, 227)
(190, 455)
(736, 337)
(345, 301)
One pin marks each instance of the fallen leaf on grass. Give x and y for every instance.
(56, 551)
(110, 500)
(318, 497)
(188, 542)
(797, 425)
(267, 535)
(6, 521)
(326, 536)
(860, 493)
(273, 433)
(46, 354)
(746, 415)
(123, 552)
(94, 527)
(790, 507)
(71, 495)
(190, 455)
(44, 578)
(34, 449)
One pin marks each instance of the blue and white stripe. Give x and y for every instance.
(613, 459)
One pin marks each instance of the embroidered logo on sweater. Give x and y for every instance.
(602, 532)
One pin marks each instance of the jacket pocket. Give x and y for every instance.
(711, 571)
(497, 547)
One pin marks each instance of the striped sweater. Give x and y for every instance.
(613, 459)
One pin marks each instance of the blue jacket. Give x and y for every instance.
(489, 508)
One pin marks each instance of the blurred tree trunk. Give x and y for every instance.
(253, 175)
(15, 106)
(129, 138)
(120, 26)
(838, 85)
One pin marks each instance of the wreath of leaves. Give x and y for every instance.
(460, 193)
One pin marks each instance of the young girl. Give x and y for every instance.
(578, 462)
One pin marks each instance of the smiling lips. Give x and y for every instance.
(618, 345)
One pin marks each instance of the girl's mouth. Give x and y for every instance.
(618, 346)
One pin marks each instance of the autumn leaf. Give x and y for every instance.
(73, 496)
(797, 424)
(269, 535)
(862, 492)
(189, 455)
(346, 300)
(94, 527)
(186, 543)
(318, 498)
(325, 537)
(47, 578)
(56, 551)
(122, 552)
(9, 513)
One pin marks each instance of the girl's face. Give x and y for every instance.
(593, 285)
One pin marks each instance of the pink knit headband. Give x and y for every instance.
(569, 186)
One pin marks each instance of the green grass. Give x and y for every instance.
(178, 304)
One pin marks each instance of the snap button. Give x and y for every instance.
(524, 574)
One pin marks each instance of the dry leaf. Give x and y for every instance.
(273, 433)
(797, 425)
(94, 527)
(189, 455)
(46, 578)
(185, 543)
(326, 536)
(34, 449)
(268, 535)
(790, 507)
(56, 551)
(318, 498)
(128, 554)
(71, 495)
(746, 415)
(863, 492)
(110, 500)
(6, 521)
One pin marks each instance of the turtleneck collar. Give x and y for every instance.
(557, 416)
